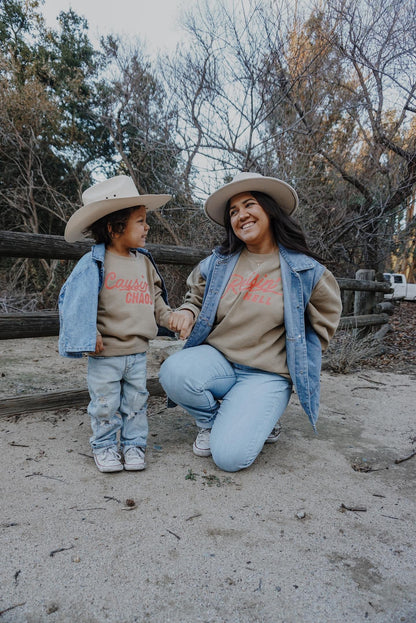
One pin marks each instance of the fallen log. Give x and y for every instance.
(72, 398)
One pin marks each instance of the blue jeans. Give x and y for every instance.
(239, 404)
(117, 387)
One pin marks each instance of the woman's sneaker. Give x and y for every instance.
(108, 460)
(201, 445)
(274, 435)
(134, 459)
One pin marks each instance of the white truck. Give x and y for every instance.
(402, 291)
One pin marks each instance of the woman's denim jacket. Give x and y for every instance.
(300, 274)
(78, 302)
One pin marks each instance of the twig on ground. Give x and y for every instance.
(193, 517)
(93, 508)
(109, 497)
(11, 608)
(61, 549)
(406, 458)
(170, 532)
(366, 378)
(361, 509)
(43, 476)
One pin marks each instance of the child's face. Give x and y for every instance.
(134, 234)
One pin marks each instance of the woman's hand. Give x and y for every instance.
(182, 322)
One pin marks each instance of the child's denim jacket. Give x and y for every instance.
(300, 274)
(78, 303)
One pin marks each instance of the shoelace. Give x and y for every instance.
(134, 450)
(111, 453)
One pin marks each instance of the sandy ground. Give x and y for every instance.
(319, 530)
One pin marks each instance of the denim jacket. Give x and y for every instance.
(78, 303)
(300, 274)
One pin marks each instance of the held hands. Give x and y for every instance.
(182, 322)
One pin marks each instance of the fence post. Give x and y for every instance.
(364, 301)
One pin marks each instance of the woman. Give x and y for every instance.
(262, 309)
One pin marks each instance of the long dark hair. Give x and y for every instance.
(285, 229)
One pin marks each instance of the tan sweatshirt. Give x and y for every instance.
(130, 304)
(249, 326)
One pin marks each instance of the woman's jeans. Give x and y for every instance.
(117, 387)
(240, 405)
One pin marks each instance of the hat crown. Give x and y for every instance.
(119, 187)
(248, 182)
(246, 175)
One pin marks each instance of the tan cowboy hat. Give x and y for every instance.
(109, 196)
(280, 191)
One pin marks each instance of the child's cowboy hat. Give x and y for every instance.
(280, 191)
(109, 196)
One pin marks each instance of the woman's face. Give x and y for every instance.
(251, 224)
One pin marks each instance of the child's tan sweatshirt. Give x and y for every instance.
(130, 304)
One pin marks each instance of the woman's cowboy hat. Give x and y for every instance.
(280, 191)
(109, 196)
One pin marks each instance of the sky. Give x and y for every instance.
(155, 22)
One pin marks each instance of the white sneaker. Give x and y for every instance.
(201, 445)
(274, 435)
(108, 460)
(134, 459)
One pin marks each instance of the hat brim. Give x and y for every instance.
(280, 191)
(87, 215)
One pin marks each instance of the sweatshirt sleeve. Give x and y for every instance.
(324, 308)
(162, 310)
(195, 293)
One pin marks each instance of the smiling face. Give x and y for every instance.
(251, 224)
(134, 234)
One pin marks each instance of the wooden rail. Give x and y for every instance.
(46, 323)
(17, 244)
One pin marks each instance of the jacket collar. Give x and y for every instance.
(296, 261)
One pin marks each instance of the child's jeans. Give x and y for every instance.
(117, 387)
(240, 405)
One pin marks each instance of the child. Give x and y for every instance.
(109, 308)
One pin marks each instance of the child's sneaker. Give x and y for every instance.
(108, 460)
(201, 445)
(134, 458)
(274, 435)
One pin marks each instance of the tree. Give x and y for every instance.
(308, 97)
(346, 76)
(141, 121)
(48, 135)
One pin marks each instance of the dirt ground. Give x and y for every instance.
(321, 529)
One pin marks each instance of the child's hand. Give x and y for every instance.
(182, 322)
(99, 346)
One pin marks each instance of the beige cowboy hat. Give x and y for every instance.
(280, 191)
(114, 194)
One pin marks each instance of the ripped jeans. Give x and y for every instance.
(117, 387)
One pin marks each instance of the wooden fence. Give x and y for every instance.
(367, 311)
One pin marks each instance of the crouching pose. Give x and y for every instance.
(259, 312)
